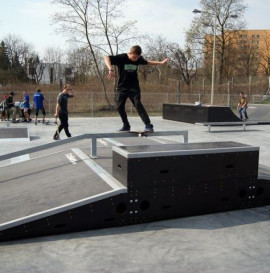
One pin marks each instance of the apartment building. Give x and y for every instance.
(247, 51)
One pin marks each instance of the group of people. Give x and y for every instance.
(11, 109)
(127, 88)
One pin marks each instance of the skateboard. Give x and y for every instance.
(47, 122)
(139, 133)
(57, 127)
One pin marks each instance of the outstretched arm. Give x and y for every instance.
(166, 60)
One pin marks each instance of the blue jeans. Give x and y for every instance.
(241, 111)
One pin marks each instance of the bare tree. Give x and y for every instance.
(223, 17)
(248, 59)
(36, 68)
(53, 55)
(183, 62)
(19, 52)
(155, 49)
(53, 61)
(93, 24)
(265, 55)
(81, 60)
(16, 46)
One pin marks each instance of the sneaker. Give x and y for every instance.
(56, 137)
(124, 129)
(149, 128)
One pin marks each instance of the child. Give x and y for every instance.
(242, 106)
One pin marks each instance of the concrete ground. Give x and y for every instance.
(235, 241)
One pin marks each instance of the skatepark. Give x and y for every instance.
(234, 241)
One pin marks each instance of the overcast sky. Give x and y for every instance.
(30, 19)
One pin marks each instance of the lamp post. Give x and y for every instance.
(214, 50)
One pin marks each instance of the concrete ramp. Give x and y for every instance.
(50, 184)
(62, 189)
(198, 114)
(259, 112)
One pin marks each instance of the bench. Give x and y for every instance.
(227, 123)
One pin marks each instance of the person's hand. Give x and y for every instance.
(166, 60)
(55, 115)
(111, 74)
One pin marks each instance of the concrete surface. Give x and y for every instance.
(236, 241)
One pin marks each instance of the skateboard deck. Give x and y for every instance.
(139, 133)
(47, 122)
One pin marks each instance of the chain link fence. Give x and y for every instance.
(94, 104)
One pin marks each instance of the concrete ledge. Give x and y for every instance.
(14, 134)
(228, 123)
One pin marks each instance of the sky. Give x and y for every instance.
(30, 19)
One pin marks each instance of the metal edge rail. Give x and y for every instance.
(93, 138)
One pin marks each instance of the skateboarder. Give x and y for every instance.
(61, 111)
(128, 83)
(242, 106)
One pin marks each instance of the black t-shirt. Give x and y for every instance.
(62, 100)
(9, 101)
(127, 69)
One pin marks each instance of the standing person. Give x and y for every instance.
(128, 84)
(61, 111)
(11, 108)
(3, 108)
(39, 104)
(26, 106)
(242, 106)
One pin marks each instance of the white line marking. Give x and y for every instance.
(18, 159)
(71, 157)
(110, 180)
(102, 141)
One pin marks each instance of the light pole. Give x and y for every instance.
(214, 50)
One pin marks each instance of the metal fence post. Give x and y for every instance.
(203, 85)
(92, 104)
(178, 92)
(228, 96)
(50, 103)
